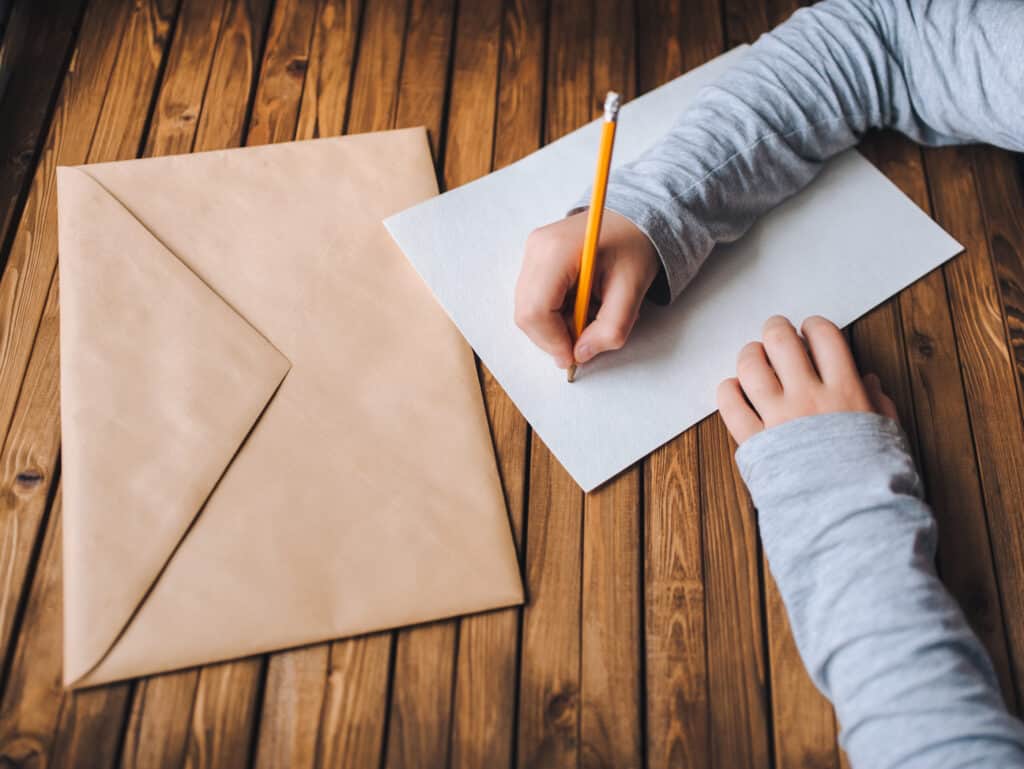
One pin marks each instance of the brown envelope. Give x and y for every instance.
(272, 434)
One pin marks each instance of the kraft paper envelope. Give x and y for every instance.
(272, 435)
(840, 247)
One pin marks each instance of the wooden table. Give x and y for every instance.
(653, 634)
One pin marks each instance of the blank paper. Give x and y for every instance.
(840, 247)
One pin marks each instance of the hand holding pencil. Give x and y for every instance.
(556, 273)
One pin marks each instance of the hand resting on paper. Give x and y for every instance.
(625, 268)
(784, 377)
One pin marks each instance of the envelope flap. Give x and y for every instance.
(161, 382)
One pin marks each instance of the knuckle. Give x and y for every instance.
(725, 388)
(776, 323)
(750, 353)
(818, 323)
(617, 336)
(776, 334)
(525, 317)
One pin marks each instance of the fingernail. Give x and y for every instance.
(584, 353)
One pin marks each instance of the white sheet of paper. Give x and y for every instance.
(837, 249)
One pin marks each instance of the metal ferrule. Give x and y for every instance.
(611, 106)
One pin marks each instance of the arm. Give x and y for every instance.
(852, 545)
(940, 72)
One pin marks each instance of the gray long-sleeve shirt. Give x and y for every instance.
(846, 534)
(852, 548)
(940, 71)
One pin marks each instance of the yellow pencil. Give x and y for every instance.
(604, 161)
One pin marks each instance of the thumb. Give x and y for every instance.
(620, 305)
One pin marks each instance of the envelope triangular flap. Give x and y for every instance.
(161, 383)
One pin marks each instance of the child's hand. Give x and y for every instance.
(625, 268)
(783, 379)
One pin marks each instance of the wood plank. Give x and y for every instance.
(676, 661)
(42, 725)
(224, 715)
(1001, 193)
(354, 710)
(161, 709)
(291, 708)
(231, 84)
(736, 674)
(735, 634)
(375, 92)
(611, 699)
(678, 733)
(275, 109)
(549, 685)
(803, 721)
(945, 445)
(33, 67)
(422, 689)
(173, 125)
(31, 446)
(989, 380)
(499, 55)
(209, 36)
(32, 257)
(295, 679)
(355, 703)
(342, 707)
(158, 721)
(327, 87)
(225, 705)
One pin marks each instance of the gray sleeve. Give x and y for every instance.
(852, 546)
(940, 71)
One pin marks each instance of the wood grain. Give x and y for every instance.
(739, 719)
(677, 708)
(293, 691)
(34, 432)
(32, 257)
(291, 708)
(549, 683)
(36, 64)
(499, 54)
(945, 444)
(327, 87)
(42, 725)
(209, 37)
(224, 715)
(802, 720)
(424, 664)
(611, 699)
(989, 380)
(30, 709)
(1001, 194)
(354, 713)
(615, 661)
(158, 725)
(342, 707)
(159, 719)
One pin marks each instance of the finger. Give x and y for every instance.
(881, 402)
(787, 354)
(620, 304)
(829, 351)
(756, 376)
(740, 419)
(548, 272)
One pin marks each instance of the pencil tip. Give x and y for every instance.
(570, 375)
